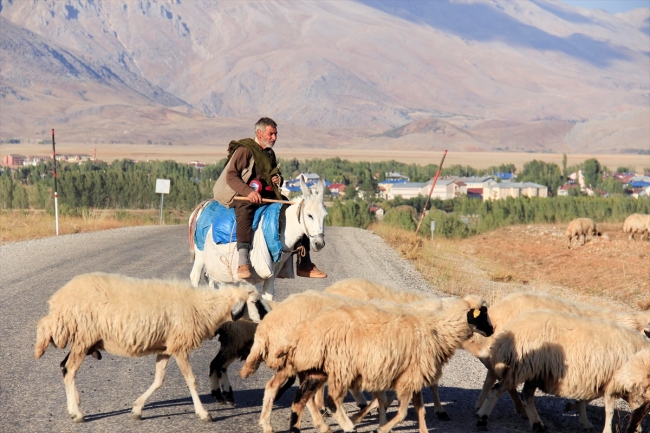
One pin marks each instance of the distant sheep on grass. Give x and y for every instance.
(133, 317)
(637, 223)
(579, 229)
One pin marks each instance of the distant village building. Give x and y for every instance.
(475, 181)
(393, 177)
(13, 159)
(337, 189)
(503, 190)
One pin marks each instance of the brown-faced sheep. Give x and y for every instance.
(364, 290)
(564, 355)
(579, 229)
(518, 303)
(136, 317)
(373, 349)
(637, 223)
(632, 382)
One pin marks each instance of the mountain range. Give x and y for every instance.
(484, 75)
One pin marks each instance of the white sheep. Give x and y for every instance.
(637, 223)
(271, 334)
(366, 347)
(579, 229)
(564, 355)
(518, 303)
(364, 290)
(632, 382)
(137, 317)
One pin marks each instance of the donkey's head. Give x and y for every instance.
(312, 213)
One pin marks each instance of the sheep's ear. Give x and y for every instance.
(647, 330)
(257, 309)
(303, 187)
(480, 322)
(238, 310)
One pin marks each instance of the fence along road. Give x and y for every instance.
(32, 397)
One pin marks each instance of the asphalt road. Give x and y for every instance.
(32, 397)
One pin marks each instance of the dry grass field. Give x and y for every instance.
(212, 153)
(21, 225)
(532, 257)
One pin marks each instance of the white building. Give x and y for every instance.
(503, 190)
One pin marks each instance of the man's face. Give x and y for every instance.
(267, 138)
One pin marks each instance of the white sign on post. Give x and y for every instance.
(433, 228)
(162, 188)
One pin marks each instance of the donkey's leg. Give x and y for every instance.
(72, 365)
(197, 267)
(186, 369)
(159, 378)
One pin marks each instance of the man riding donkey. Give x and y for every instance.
(252, 171)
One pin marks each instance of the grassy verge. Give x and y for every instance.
(533, 258)
(20, 225)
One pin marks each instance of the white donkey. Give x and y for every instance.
(305, 217)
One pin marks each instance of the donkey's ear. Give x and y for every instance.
(303, 187)
(320, 188)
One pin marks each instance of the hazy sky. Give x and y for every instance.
(611, 6)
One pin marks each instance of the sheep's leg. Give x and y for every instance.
(197, 267)
(159, 378)
(634, 426)
(270, 392)
(488, 383)
(334, 403)
(582, 409)
(72, 396)
(319, 399)
(316, 415)
(519, 406)
(610, 402)
(418, 405)
(529, 404)
(357, 417)
(219, 379)
(437, 404)
(401, 413)
(488, 406)
(359, 398)
(310, 384)
(186, 369)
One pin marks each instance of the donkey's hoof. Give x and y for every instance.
(77, 418)
(135, 416)
(539, 427)
(206, 418)
(443, 416)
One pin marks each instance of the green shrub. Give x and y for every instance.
(404, 217)
(447, 225)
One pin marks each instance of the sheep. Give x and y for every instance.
(579, 228)
(137, 317)
(235, 342)
(564, 355)
(375, 349)
(271, 333)
(364, 290)
(633, 380)
(637, 223)
(515, 304)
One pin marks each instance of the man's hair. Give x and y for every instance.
(264, 122)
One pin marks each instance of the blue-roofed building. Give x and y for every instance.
(504, 175)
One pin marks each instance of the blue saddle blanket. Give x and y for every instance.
(224, 226)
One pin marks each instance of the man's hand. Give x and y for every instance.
(276, 179)
(255, 197)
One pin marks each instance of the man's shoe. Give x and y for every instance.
(311, 271)
(244, 271)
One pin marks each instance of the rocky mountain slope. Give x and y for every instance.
(463, 74)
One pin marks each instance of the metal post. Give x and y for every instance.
(56, 195)
(161, 205)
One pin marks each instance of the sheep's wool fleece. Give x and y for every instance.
(375, 349)
(135, 317)
(574, 356)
